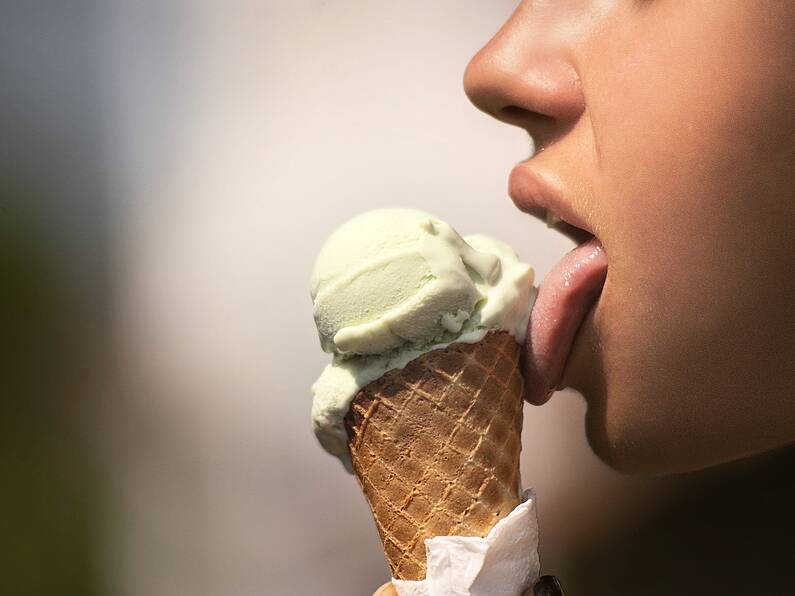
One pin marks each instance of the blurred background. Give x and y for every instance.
(168, 171)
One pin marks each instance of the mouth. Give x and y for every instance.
(569, 291)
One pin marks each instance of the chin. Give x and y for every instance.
(608, 443)
(621, 453)
(633, 442)
(634, 426)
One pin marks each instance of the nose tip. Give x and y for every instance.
(518, 81)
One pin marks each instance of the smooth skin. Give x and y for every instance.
(671, 126)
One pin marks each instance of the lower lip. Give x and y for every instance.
(565, 297)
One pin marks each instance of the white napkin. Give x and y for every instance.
(504, 563)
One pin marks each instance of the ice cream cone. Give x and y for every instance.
(435, 446)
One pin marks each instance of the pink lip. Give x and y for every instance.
(534, 191)
(567, 294)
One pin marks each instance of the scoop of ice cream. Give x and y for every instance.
(392, 284)
(391, 277)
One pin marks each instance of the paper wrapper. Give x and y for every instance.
(504, 563)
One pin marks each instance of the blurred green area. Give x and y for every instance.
(53, 298)
(49, 505)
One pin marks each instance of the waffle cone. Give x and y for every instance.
(436, 445)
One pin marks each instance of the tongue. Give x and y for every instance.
(564, 299)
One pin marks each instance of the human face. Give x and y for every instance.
(665, 128)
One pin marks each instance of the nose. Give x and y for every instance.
(524, 78)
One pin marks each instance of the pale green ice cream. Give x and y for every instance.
(392, 284)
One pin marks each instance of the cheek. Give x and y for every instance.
(691, 317)
(688, 117)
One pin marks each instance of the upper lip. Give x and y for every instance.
(538, 193)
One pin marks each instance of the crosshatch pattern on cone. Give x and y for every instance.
(436, 446)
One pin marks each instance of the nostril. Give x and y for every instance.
(513, 112)
(521, 116)
(542, 128)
